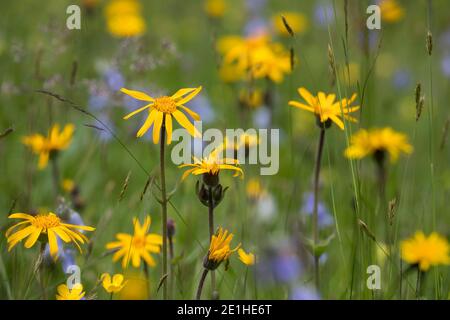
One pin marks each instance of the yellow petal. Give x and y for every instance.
(137, 95)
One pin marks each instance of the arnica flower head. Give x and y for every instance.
(113, 284)
(271, 63)
(124, 18)
(215, 8)
(48, 146)
(162, 109)
(211, 166)
(247, 258)
(136, 246)
(391, 11)
(296, 21)
(426, 251)
(376, 141)
(75, 293)
(33, 227)
(326, 108)
(219, 249)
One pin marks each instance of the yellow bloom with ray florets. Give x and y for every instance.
(369, 142)
(113, 284)
(75, 293)
(124, 18)
(162, 109)
(426, 251)
(137, 246)
(326, 107)
(48, 146)
(215, 8)
(211, 165)
(219, 249)
(247, 258)
(271, 64)
(44, 224)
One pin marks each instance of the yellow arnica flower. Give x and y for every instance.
(270, 64)
(64, 293)
(126, 26)
(391, 11)
(326, 108)
(162, 109)
(124, 18)
(368, 142)
(136, 287)
(50, 224)
(247, 258)
(114, 284)
(211, 165)
(68, 185)
(47, 146)
(426, 251)
(219, 249)
(297, 21)
(137, 246)
(215, 8)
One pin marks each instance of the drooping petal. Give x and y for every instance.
(157, 127)
(147, 124)
(169, 128)
(185, 123)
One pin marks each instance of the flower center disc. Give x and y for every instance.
(165, 104)
(46, 221)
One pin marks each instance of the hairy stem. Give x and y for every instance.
(211, 233)
(163, 206)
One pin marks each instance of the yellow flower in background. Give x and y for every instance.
(247, 258)
(126, 26)
(137, 246)
(211, 165)
(426, 251)
(163, 109)
(391, 11)
(252, 98)
(124, 18)
(297, 21)
(254, 57)
(326, 107)
(64, 293)
(271, 64)
(367, 142)
(44, 224)
(136, 288)
(48, 146)
(215, 8)
(219, 249)
(114, 284)
(68, 185)
(254, 189)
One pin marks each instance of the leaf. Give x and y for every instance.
(161, 281)
(320, 247)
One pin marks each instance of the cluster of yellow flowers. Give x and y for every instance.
(124, 18)
(253, 57)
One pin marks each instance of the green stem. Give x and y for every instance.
(55, 175)
(163, 206)
(201, 283)
(316, 203)
(211, 233)
(172, 272)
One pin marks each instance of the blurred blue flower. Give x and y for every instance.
(324, 217)
(304, 293)
(445, 65)
(286, 267)
(262, 118)
(256, 26)
(402, 79)
(324, 14)
(114, 79)
(98, 99)
(66, 256)
(255, 6)
(202, 106)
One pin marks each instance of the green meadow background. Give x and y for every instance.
(38, 52)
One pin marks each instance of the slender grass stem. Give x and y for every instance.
(418, 283)
(163, 205)
(201, 283)
(55, 175)
(316, 203)
(211, 233)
